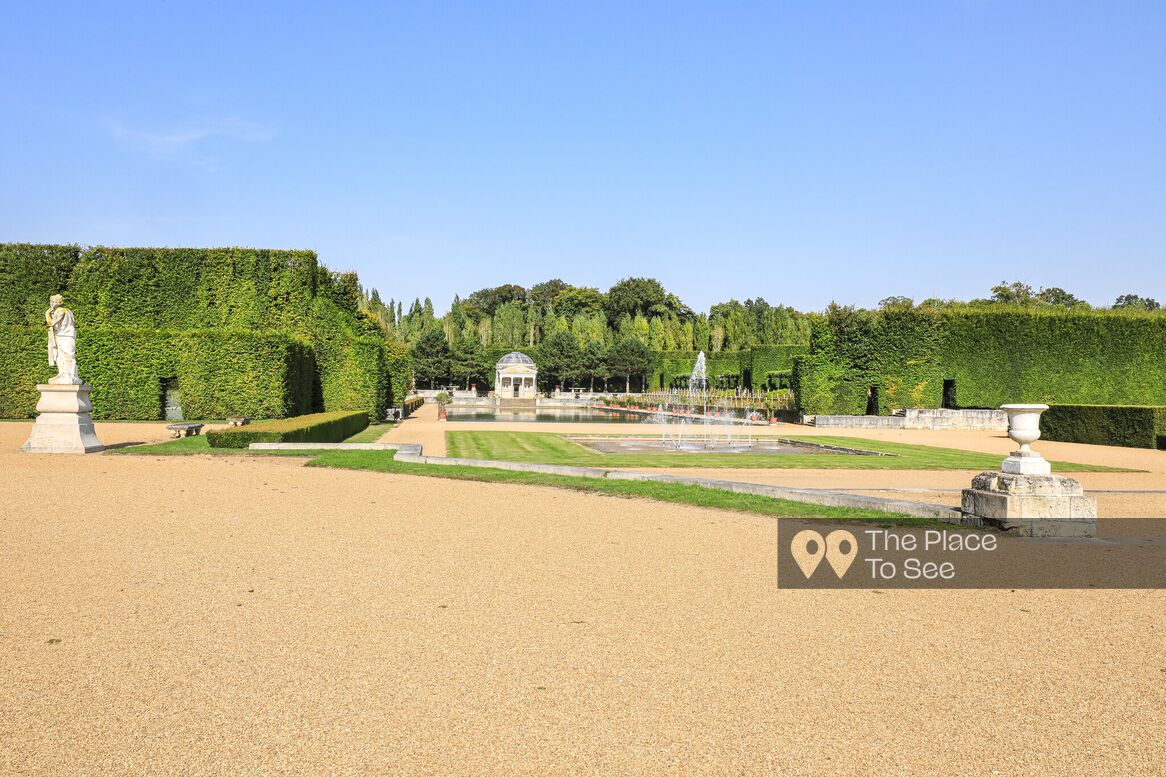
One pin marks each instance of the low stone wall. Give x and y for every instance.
(563, 401)
(860, 421)
(939, 418)
(921, 418)
(472, 402)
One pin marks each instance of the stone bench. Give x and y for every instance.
(184, 430)
(238, 420)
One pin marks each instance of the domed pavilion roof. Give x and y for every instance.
(514, 358)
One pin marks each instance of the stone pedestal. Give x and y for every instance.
(64, 423)
(1030, 505)
(1025, 463)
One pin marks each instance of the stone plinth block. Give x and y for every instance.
(1030, 505)
(64, 423)
(1020, 464)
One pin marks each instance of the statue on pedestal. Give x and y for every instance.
(62, 342)
(64, 422)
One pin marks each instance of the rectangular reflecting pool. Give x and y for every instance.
(562, 415)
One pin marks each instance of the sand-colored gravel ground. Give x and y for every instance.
(247, 615)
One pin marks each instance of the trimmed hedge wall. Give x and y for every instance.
(219, 373)
(1057, 358)
(23, 364)
(246, 331)
(28, 275)
(317, 427)
(193, 288)
(1130, 426)
(399, 368)
(901, 358)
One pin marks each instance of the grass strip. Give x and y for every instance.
(553, 448)
(678, 493)
(371, 433)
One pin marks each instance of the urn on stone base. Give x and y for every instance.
(1025, 498)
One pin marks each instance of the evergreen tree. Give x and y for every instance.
(431, 356)
(468, 360)
(560, 359)
(629, 357)
(593, 363)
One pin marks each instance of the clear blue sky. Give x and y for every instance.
(803, 152)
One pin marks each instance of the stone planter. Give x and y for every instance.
(1024, 498)
(1024, 423)
(1024, 430)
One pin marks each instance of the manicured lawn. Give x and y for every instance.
(382, 461)
(548, 448)
(371, 433)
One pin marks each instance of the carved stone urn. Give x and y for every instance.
(1024, 429)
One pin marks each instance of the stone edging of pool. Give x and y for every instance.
(413, 453)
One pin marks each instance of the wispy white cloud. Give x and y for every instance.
(186, 141)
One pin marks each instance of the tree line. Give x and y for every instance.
(579, 335)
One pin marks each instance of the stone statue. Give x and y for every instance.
(62, 342)
(64, 421)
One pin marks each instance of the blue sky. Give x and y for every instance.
(803, 152)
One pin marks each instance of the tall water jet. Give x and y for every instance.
(698, 380)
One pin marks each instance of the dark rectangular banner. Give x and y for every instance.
(1127, 553)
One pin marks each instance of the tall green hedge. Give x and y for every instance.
(194, 288)
(399, 368)
(256, 332)
(993, 356)
(23, 364)
(1063, 358)
(1130, 426)
(860, 360)
(28, 275)
(219, 373)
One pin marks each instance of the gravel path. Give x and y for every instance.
(245, 615)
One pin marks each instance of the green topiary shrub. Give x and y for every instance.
(316, 427)
(1129, 426)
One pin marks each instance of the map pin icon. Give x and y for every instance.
(799, 549)
(838, 559)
